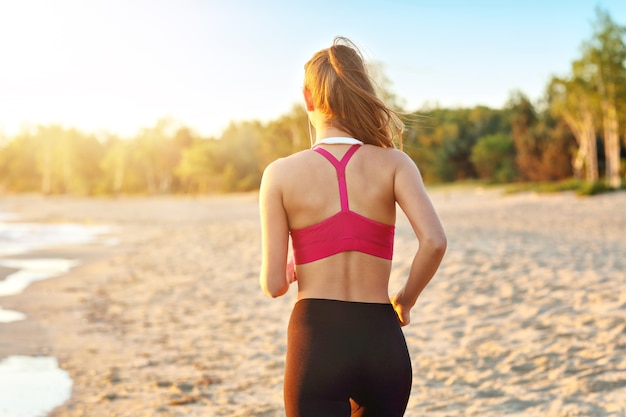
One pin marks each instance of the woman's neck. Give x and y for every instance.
(330, 132)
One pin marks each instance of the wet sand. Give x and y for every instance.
(527, 316)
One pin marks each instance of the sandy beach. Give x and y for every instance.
(527, 316)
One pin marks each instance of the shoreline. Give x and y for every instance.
(4, 272)
(523, 318)
(36, 252)
(28, 336)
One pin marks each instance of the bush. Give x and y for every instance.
(581, 188)
(493, 158)
(593, 188)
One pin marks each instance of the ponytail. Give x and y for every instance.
(343, 91)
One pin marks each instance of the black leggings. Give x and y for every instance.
(339, 351)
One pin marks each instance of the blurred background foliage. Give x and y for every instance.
(575, 134)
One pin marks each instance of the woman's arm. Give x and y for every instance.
(414, 201)
(274, 233)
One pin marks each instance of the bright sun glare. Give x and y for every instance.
(90, 66)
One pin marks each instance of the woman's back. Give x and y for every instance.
(311, 194)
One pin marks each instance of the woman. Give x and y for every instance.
(345, 349)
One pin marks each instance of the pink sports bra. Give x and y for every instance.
(344, 231)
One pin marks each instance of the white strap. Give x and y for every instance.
(337, 140)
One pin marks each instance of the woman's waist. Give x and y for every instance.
(364, 292)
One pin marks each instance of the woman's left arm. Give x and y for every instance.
(274, 233)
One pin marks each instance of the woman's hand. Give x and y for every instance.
(291, 271)
(403, 312)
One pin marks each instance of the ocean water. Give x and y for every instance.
(18, 238)
(29, 271)
(31, 386)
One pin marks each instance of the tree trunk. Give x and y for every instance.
(118, 177)
(46, 169)
(67, 169)
(611, 143)
(591, 165)
(150, 178)
(587, 154)
(578, 162)
(581, 154)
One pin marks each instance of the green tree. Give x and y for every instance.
(441, 140)
(115, 166)
(199, 169)
(493, 157)
(156, 154)
(239, 153)
(18, 161)
(571, 99)
(604, 59)
(542, 148)
(286, 135)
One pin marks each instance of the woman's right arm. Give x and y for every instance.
(411, 195)
(274, 233)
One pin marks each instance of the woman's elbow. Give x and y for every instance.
(274, 293)
(436, 244)
(273, 290)
(442, 243)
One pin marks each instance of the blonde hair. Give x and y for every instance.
(344, 93)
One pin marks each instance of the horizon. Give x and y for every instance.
(117, 67)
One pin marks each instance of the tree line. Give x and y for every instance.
(577, 130)
(574, 131)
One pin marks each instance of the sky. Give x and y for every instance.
(119, 65)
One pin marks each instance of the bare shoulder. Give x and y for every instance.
(401, 157)
(386, 152)
(407, 177)
(271, 176)
(394, 157)
(282, 167)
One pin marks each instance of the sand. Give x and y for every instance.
(527, 316)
